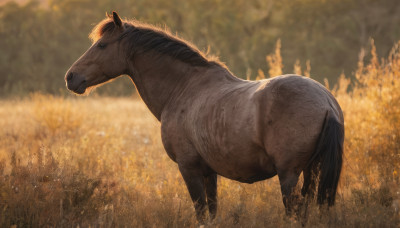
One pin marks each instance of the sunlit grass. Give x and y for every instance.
(95, 161)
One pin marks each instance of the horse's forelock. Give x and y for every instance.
(105, 26)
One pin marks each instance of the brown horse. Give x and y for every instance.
(213, 123)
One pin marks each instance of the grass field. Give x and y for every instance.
(98, 161)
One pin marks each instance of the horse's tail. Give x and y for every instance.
(328, 159)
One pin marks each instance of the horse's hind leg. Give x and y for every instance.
(211, 191)
(288, 181)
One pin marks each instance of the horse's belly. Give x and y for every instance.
(243, 166)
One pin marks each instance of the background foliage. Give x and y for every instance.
(39, 40)
(67, 161)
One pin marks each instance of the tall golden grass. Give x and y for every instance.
(95, 161)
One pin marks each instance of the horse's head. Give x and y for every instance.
(103, 61)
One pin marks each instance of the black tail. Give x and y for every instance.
(328, 160)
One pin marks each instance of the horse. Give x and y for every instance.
(213, 123)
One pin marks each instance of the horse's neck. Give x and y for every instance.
(160, 78)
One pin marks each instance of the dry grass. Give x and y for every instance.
(93, 161)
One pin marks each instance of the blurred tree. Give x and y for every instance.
(38, 42)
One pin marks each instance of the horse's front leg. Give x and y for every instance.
(211, 191)
(194, 180)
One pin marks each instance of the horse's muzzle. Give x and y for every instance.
(76, 82)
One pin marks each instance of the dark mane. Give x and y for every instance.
(143, 38)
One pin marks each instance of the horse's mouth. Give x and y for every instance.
(80, 89)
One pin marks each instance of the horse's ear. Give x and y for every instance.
(116, 19)
(108, 15)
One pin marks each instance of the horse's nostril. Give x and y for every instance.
(70, 76)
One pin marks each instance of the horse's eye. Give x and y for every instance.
(101, 45)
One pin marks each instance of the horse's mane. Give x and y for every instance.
(144, 37)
